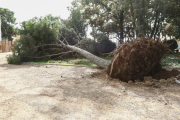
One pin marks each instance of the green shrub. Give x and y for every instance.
(172, 44)
(170, 60)
(104, 44)
(89, 45)
(13, 59)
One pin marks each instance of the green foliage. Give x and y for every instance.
(69, 34)
(104, 44)
(173, 12)
(79, 61)
(89, 45)
(35, 33)
(82, 61)
(172, 44)
(43, 30)
(39, 39)
(7, 23)
(132, 18)
(25, 47)
(170, 60)
(75, 20)
(13, 59)
(106, 16)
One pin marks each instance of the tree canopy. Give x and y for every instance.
(173, 18)
(7, 23)
(40, 37)
(75, 20)
(132, 18)
(35, 33)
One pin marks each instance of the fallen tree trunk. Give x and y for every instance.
(95, 59)
(132, 61)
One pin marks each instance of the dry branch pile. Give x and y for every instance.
(138, 59)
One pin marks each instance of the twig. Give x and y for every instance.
(64, 39)
(48, 45)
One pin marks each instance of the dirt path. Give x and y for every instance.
(52, 92)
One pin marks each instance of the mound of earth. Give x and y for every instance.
(165, 74)
(163, 78)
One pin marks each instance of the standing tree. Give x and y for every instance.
(106, 15)
(130, 18)
(76, 21)
(7, 22)
(173, 11)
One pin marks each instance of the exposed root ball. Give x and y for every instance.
(138, 59)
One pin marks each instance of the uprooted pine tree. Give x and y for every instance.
(131, 61)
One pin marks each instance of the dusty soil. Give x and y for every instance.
(53, 92)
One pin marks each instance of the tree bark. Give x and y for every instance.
(155, 24)
(157, 28)
(133, 18)
(121, 16)
(96, 60)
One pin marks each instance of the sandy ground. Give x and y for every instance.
(52, 92)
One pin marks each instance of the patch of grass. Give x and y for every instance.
(107, 58)
(78, 61)
(170, 60)
(41, 62)
(83, 62)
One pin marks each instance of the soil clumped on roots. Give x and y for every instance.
(140, 58)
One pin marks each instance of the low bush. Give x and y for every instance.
(104, 44)
(89, 45)
(13, 59)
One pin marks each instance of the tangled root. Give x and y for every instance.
(137, 59)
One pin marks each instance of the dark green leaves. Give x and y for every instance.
(7, 19)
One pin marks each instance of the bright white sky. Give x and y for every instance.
(27, 9)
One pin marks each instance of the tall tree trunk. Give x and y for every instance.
(133, 19)
(121, 16)
(155, 24)
(0, 29)
(157, 28)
